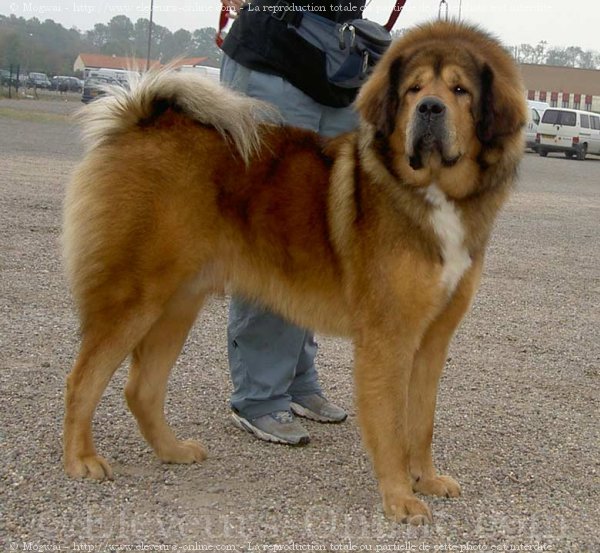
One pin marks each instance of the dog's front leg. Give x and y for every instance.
(383, 365)
(428, 366)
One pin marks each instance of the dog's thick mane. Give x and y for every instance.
(233, 115)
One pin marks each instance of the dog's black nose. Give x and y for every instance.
(431, 108)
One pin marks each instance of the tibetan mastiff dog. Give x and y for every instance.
(188, 189)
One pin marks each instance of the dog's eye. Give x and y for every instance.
(459, 90)
(414, 88)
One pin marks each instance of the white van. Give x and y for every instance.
(571, 131)
(536, 110)
(210, 72)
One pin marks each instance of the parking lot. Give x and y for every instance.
(517, 420)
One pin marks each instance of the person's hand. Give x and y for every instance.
(233, 7)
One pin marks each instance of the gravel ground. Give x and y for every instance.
(517, 420)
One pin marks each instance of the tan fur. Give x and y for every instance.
(344, 237)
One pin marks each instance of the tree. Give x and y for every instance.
(524, 53)
(564, 57)
(179, 44)
(572, 56)
(140, 37)
(120, 28)
(11, 47)
(99, 36)
(204, 45)
(540, 52)
(120, 37)
(160, 41)
(587, 60)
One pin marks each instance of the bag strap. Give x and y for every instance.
(394, 15)
(224, 18)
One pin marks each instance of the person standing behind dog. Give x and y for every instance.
(272, 361)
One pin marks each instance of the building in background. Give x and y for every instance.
(563, 87)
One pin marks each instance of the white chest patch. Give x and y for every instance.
(448, 226)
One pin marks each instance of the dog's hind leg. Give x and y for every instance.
(106, 342)
(151, 364)
(427, 369)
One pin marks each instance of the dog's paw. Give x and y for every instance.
(407, 509)
(184, 452)
(442, 486)
(91, 466)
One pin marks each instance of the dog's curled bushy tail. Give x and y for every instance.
(235, 116)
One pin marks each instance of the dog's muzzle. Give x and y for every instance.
(429, 132)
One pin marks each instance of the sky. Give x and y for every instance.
(559, 22)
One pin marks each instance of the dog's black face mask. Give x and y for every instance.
(429, 133)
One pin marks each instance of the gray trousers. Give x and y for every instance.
(270, 359)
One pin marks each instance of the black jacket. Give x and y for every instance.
(261, 41)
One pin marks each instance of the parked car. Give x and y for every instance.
(570, 131)
(65, 83)
(38, 80)
(536, 111)
(121, 75)
(94, 87)
(6, 79)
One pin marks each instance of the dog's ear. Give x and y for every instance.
(379, 99)
(501, 110)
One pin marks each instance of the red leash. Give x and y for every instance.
(224, 18)
(394, 15)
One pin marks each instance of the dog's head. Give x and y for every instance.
(444, 103)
